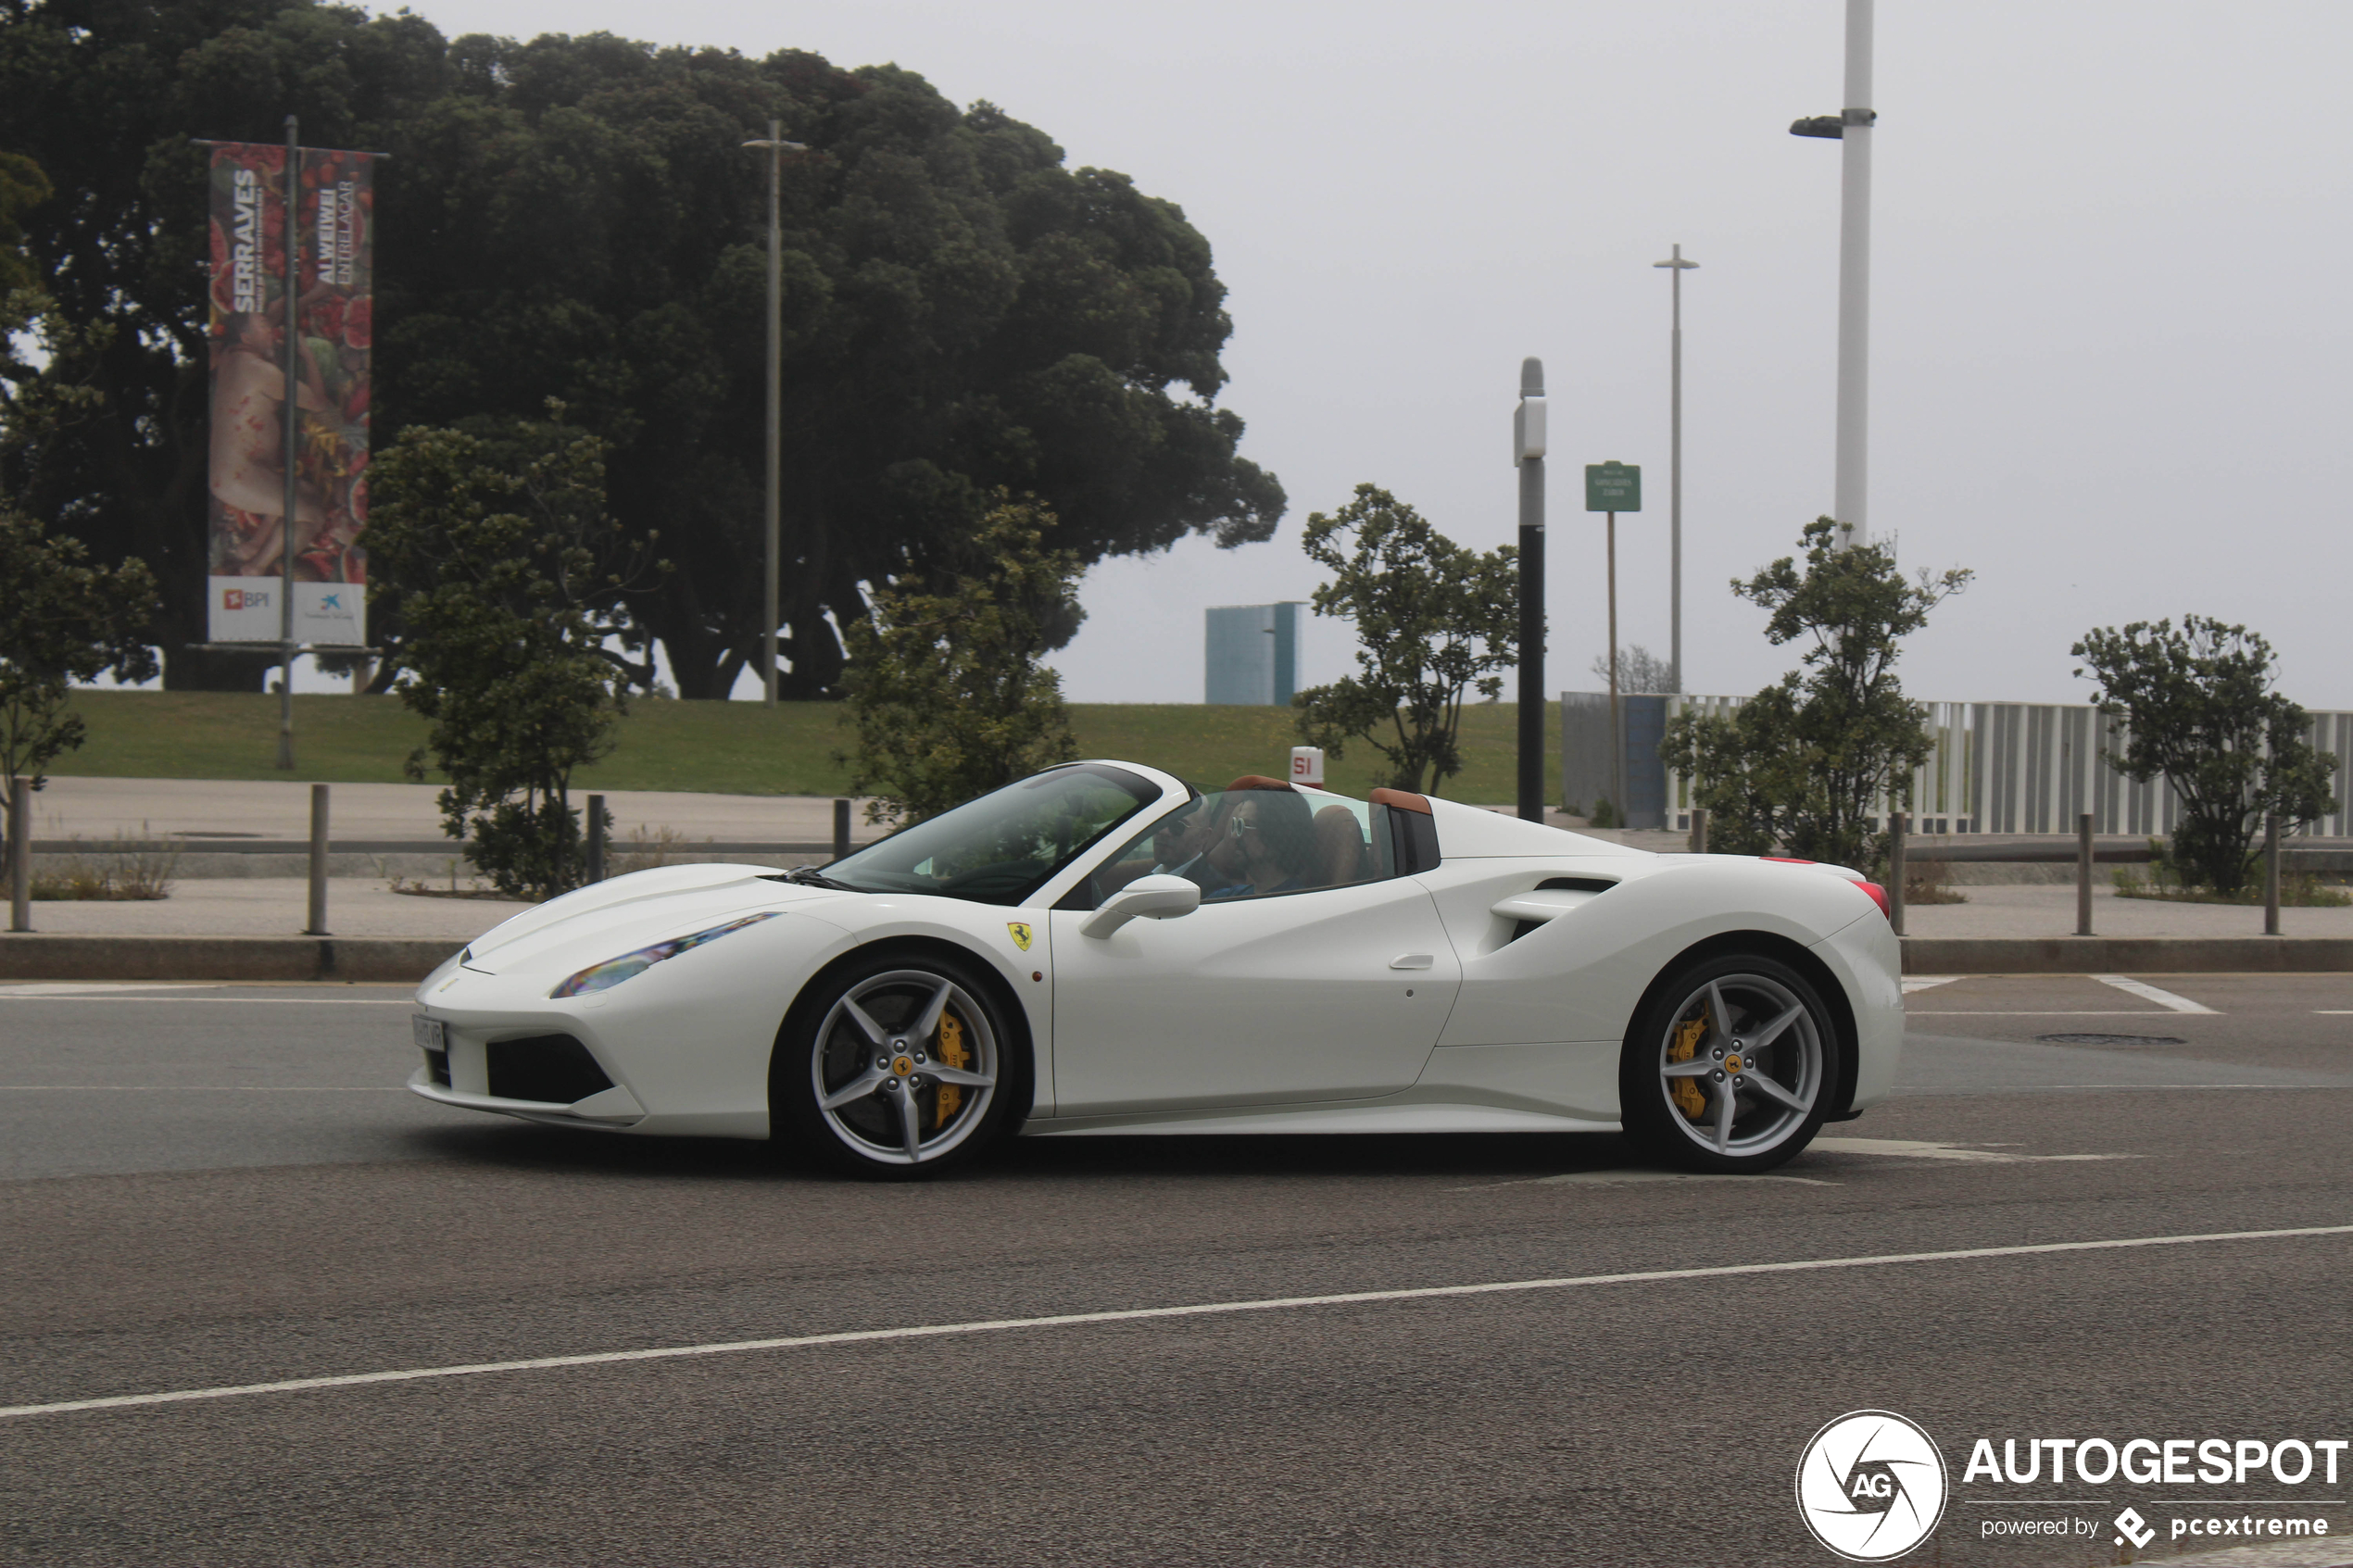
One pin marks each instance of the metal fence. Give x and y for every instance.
(2021, 767)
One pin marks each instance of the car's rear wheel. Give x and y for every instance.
(1730, 1067)
(899, 1066)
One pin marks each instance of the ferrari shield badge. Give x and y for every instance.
(1021, 934)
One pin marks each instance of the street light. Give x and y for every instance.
(1528, 456)
(1851, 127)
(1676, 267)
(776, 147)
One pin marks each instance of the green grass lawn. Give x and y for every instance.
(727, 747)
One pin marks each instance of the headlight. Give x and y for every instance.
(612, 972)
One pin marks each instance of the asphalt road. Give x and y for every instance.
(218, 1187)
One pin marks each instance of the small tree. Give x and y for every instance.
(61, 620)
(946, 691)
(2199, 708)
(1432, 618)
(1638, 669)
(509, 579)
(1802, 764)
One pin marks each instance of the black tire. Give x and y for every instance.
(1706, 1019)
(838, 1090)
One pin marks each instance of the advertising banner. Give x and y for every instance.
(331, 228)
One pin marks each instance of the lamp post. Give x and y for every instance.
(1676, 267)
(771, 612)
(292, 437)
(1851, 127)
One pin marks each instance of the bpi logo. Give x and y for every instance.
(1871, 1485)
(243, 598)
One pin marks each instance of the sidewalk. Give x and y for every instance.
(220, 813)
(276, 906)
(2026, 911)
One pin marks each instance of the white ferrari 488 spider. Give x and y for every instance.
(1104, 950)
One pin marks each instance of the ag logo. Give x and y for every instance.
(1020, 929)
(1871, 1485)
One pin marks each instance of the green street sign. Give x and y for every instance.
(1613, 487)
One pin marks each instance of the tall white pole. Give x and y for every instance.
(1851, 507)
(771, 616)
(1676, 267)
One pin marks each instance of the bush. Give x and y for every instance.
(948, 694)
(509, 579)
(2200, 708)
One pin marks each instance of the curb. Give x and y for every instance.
(378, 960)
(2127, 955)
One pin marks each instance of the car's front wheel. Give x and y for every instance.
(1730, 1067)
(898, 1066)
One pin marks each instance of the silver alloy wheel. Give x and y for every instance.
(1741, 1064)
(905, 1066)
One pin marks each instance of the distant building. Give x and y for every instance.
(1253, 653)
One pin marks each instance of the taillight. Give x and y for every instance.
(1879, 896)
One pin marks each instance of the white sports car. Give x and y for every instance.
(1104, 950)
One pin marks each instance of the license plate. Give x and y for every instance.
(432, 1034)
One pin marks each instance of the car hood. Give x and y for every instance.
(607, 918)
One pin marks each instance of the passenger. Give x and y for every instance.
(1269, 845)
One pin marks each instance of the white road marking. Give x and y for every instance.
(2029, 1013)
(1911, 1149)
(204, 1088)
(227, 1001)
(2141, 988)
(1623, 1178)
(89, 987)
(2272, 1554)
(1922, 982)
(1140, 1315)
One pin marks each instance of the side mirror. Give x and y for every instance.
(1150, 897)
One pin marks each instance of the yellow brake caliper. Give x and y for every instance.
(951, 1052)
(1684, 1092)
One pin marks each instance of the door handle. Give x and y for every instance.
(1413, 961)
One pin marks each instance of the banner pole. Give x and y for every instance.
(293, 242)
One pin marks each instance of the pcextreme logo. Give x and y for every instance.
(1871, 1485)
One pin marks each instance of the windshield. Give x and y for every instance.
(1002, 848)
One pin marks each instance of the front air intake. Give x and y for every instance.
(551, 1068)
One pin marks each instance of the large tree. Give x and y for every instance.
(575, 217)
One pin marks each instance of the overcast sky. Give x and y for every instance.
(2108, 365)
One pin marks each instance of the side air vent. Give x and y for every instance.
(1548, 900)
(551, 1068)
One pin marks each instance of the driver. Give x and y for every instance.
(1182, 846)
